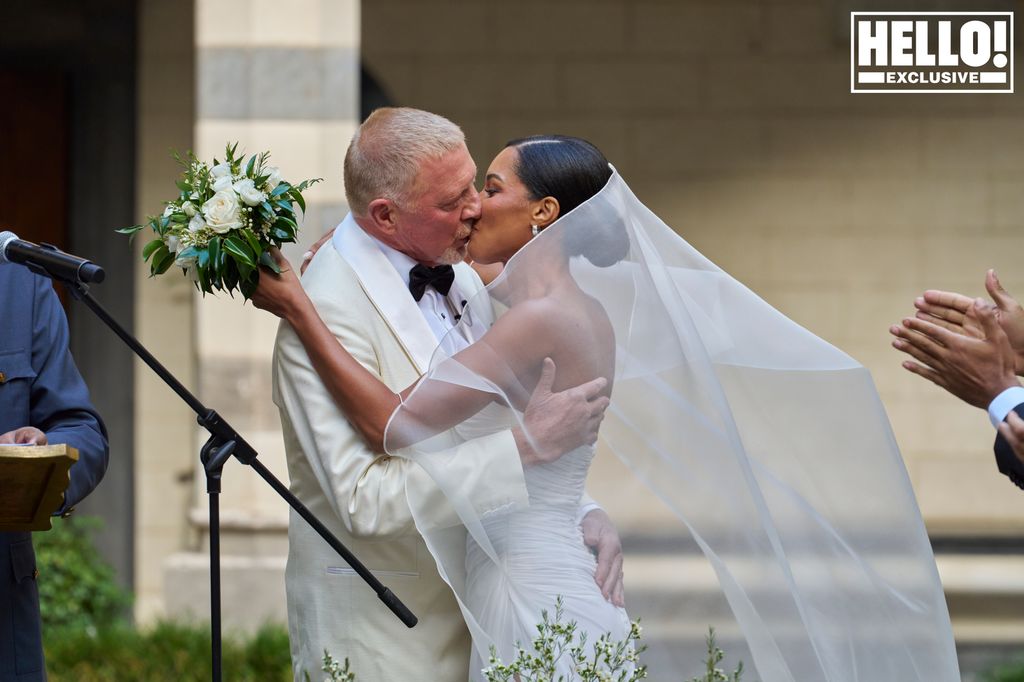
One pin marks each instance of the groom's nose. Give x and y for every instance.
(472, 208)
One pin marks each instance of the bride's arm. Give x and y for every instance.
(368, 403)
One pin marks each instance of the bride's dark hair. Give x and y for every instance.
(571, 170)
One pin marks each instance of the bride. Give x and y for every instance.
(768, 445)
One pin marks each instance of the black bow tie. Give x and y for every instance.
(420, 277)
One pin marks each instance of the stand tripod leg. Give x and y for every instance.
(215, 627)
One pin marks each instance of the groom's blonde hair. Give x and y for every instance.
(386, 152)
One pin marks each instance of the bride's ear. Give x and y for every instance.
(544, 212)
(382, 213)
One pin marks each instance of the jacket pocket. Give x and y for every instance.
(28, 636)
(16, 377)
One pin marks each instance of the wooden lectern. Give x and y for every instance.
(32, 484)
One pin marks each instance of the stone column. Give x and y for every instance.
(283, 78)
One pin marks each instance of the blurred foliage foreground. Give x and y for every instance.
(88, 638)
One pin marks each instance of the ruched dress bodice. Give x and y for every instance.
(536, 555)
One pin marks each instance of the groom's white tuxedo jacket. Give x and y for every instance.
(361, 495)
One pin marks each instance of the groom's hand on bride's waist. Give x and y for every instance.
(600, 535)
(555, 423)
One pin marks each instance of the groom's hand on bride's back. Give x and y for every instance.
(558, 422)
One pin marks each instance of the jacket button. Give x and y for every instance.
(3, 378)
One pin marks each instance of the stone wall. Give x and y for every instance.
(733, 121)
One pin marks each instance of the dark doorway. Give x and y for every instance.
(67, 169)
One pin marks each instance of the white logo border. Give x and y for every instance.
(853, 75)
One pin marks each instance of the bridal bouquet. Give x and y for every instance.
(225, 219)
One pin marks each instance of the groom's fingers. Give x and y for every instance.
(592, 388)
(547, 376)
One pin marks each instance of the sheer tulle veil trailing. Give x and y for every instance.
(757, 442)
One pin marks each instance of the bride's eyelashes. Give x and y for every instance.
(490, 191)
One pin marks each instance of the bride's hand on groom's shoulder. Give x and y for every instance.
(307, 257)
(558, 422)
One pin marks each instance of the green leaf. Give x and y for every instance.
(267, 261)
(215, 256)
(254, 243)
(297, 196)
(240, 251)
(151, 247)
(183, 186)
(162, 259)
(284, 204)
(280, 189)
(204, 284)
(249, 166)
(230, 276)
(190, 252)
(130, 230)
(248, 287)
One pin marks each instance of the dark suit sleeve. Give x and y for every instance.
(60, 404)
(1007, 460)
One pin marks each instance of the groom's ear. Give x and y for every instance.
(382, 213)
(544, 212)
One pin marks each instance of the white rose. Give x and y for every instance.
(221, 170)
(246, 189)
(197, 223)
(222, 211)
(274, 179)
(171, 208)
(189, 208)
(172, 242)
(222, 183)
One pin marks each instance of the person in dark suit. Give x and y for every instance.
(43, 400)
(974, 350)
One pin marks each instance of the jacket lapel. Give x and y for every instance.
(387, 291)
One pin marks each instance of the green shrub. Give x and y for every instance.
(168, 652)
(1012, 671)
(77, 589)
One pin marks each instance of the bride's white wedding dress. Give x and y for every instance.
(541, 557)
(767, 446)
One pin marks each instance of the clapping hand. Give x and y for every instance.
(955, 312)
(975, 365)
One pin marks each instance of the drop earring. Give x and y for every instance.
(535, 230)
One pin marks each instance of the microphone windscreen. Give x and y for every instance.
(6, 237)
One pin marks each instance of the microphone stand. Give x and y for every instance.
(225, 442)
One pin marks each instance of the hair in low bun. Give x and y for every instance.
(571, 170)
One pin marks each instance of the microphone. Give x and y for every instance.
(48, 260)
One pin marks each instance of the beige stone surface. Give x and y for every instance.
(734, 122)
(301, 149)
(164, 452)
(267, 23)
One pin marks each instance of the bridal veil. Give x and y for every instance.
(731, 429)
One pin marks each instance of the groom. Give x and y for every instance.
(382, 286)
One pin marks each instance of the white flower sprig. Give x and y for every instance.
(609, 660)
(224, 221)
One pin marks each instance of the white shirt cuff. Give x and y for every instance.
(584, 510)
(1004, 402)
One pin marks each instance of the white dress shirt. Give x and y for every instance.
(440, 312)
(1004, 403)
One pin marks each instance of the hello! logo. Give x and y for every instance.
(924, 52)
